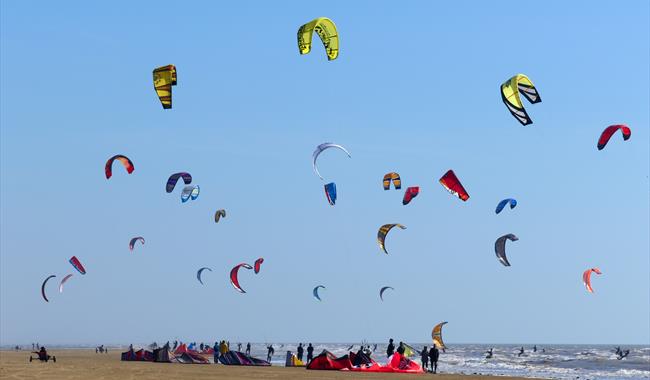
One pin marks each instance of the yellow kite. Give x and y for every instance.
(326, 31)
(163, 79)
(510, 91)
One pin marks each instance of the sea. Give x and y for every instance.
(576, 362)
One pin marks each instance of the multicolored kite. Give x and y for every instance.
(510, 91)
(453, 185)
(128, 165)
(164, 78)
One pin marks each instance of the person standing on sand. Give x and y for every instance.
(270, 352)
(401, 348)
(175, 345)
(248, 348)
(215, 348)
(239, 347)
(390, 350)
(434, 354)
(300, 351)
(425, 357)
(310, 353)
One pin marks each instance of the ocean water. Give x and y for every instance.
(577, 362)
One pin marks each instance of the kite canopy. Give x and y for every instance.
(382, 290)
(63, 282)
(135, 240)
(171, 181)
(436, 335)
(190, 192)
(43, 287)
(609, 132)
(77, 264)
(128, 165)
(315, 292)
(258, 265)
(199, 272)
(586, 278)
(383, 231)
(503, 203)
(234, 280)
(510, 94)
(320, 149)
(164, 78)
(330, 193)
(397, 181)
(409, 194)
(326, 30)
(453, 185)
(219, 214)
(500, 248)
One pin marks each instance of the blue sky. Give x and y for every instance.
(415, 90)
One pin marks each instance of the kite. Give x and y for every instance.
(321, 148)
(326, 30)
(190, 192)
(171, 181)
(43, 287)
(134, 240)
(63, 282)
(195, 192)
(381, 292)
(77, 264)
(436, 335)
(315, 292)
(397, 182)
(330, 193)
(234, 281)
(609, 131)
(383, 231)
(198, 274)
(510, 91)
(163, 79)
(128, 165)
(500, 248)
(410, 193)
(219, 214)
(503, 203)
(258, 264)
(586, 278)
(453, 185)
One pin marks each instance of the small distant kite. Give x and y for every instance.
(234, 279)
(586, 278)
(326, 30)
(410, 193)
(320, 149)
(171, 181)
(219, 214)
(397, 181)
(382, 290)
(383, 231)
(450, 182)
(199, 272)
(503, 203)
(330, 193)
(163, 79)
(500, 248)
(135, 240)
(315, 292)
(258, 265)
(43, 287)
(65, 279)
(609, 131)
(128, 165)
(510, 94)
(190, 192)
(77, 264)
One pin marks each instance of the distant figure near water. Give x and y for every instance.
(270, 353)
(300, 350)
(521, 352)
(390, 350)
(489, 353)
(425, 357)
(535, 348)
(434, 354)
(310, 353)
(248, 349)
(623, 354)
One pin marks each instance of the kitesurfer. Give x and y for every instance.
(248, 349)
(535, 348)
(425, 357)
(618, 350)
(300, 351)
(489, 353)
(434, 354)
(521, 352)
(270, 352)
(623, 354)
(310, 353)
(401, 348)
(390, 350)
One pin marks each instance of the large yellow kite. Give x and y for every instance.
(326, 30)
(163, 79)
(510, 91)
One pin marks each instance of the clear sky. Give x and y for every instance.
(415, 90)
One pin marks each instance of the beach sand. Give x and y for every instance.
(85, 364)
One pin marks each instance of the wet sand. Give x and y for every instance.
(85, 364)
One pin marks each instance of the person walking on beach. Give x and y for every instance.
(425, 357)
(248, 348)
(270, 352)
(434, 354)
(401, 348)
(310, 353)
(390, 350)
(215, 348)
(300, 351)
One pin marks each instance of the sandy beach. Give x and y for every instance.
(85, 364)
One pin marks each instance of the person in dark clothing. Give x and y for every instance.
(489, 353)
(434, 354)
(175, 345)
(270, 353)
(425, 357)
(623, 354)
(215, 354)
(201, 346)
(239, 347)
(248, 349)
(618, 350)
(310, 353)
(390, 350)
(535, 348)
(521, 352)
(300, 351)
(42, 356)
(401, 348)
